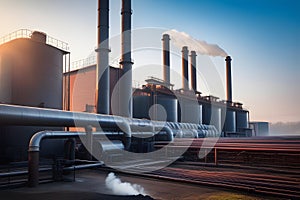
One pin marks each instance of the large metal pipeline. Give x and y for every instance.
(32, 116)
(34, 152)
(34, 149)
(102, 69)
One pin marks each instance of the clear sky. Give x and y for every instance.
(262, 37)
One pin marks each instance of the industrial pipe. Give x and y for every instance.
(166, 58)
(185, 70)
(228, 79)
(34, 152)
(193, 71)
(32, 116)
(168, 131)
(84, 166)
(102, 69)
(34, 149)
(126, 62)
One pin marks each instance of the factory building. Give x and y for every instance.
(41, 98)
(157, 100)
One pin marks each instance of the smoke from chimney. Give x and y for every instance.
(122, 188)
(180, 39)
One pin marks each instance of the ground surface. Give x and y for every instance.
(89, 185)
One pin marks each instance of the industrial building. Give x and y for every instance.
(38, 100)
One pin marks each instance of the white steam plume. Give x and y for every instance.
(122, 188)
(181, 39)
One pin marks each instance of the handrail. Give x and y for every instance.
(26, 33)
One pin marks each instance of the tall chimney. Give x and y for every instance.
(102, 69)
(166, 58)
(193, 71)
(126, 62)
(185, 70)
(228, 78)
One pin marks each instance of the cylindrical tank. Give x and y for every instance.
(35, 79)
(189, 111)
(230, 121)
(5, 79)
(159, 108)
(170, 106)
(141, 105)
(242, 120)
(212, 116)
(36, 74)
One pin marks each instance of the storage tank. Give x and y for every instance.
(159, 108)
(230, 120)
(189, 111)
(36, 73)
(35, 78)
(242, 120)
(5, 79)
(141, 106)
(212, 116)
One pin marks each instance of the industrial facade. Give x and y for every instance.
(41, 99)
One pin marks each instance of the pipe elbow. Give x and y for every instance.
(34, 144)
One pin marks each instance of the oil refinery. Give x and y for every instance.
(58, 122)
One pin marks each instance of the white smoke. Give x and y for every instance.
(180, 39)
(122, 188)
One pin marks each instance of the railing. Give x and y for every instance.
(25, 33)
(83, 63)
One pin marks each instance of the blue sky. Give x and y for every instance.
(262, 36)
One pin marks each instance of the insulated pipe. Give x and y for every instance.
(102, 69)
(147, 125)
(193, 71)
(166, 58)
(228, 78)
(169, 132)
(34, 152)
(31, 116)
(126, 62)
(34, 149)
(185, 70)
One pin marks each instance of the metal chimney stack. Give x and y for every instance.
(126, 62)
(185, 70)
(193, 71)
(166, 58)
(228, 78)
(102, 69)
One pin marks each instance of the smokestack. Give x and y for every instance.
(102, 69)
(166, 58)
(228, 78)
(185, 70)
(193, 71)
(126, 62)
